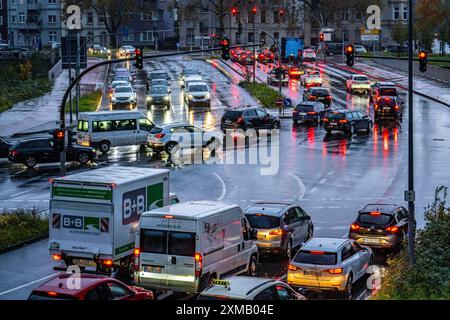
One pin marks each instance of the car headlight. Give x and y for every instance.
(149, 98)
(190, 96)
(113, 99)
(166, 98)
(207, 96)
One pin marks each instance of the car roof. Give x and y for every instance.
(194, 76)
(268, 208)
(174, 124)
(242, 108)
(386, 84)
(33, 139)
(307, 103)
(158, 71)
(380, 207)
(324, 244)
(239, 287)
(359, 75)
(159, 86)
(58, 283)
(190, 209)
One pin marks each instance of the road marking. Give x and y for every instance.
(26, 285)
(19, 194)
(301, 186)
(224, 187)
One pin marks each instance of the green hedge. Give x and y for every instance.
(262, 92)
(88, 102)
(430, 276)
(20, 225)
(12, 92)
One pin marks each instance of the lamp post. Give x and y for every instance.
(253, 12)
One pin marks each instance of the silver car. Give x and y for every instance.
(159, 96)
(329, 264)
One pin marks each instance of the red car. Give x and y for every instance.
(265, 56)
(91, 287)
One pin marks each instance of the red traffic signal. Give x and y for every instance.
(281, 12)
(349, 49)
(254, 10)
(422, 55)
(321, 37)
(224, 42)
(234, 11)
(59, 134)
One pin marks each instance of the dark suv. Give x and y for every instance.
(380, 226)
(318, 94)
(308, 111)
(33, 151)
(388, 108)
(382, 88)
(281, 226)
(347, 120)
(248, 118)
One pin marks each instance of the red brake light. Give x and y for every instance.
(312, 97)
(397, 108)
(355, 226)
(160, 135)
(329, 97)
(56, 257)
(52, 293)
(277, 232)
(376, 107)
(240, 120)
(15, 153)
(343, 121)
(168, 217)
(335, 271)
(312, 113)
(108, 262)
(316, 252)
(392, 229)
(375, 213)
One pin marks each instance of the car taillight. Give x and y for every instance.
(56, 257)
(52, 293)
(198, 265)
(392, 229)
(355, 226)
(325, 120)
(291, 267)
(244, 56)
(312, 113)
(295, 111)
(328, 97)
(160, 135)
(137, 256)
(376, 107)
(272, 56)
(14, 153)
(397, 108)
(240, 120)
(312, 97)
(335, 271)
(343, 121)
(277, 232)
(107, 262)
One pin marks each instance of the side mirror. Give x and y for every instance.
(254, 234)
(307, 217)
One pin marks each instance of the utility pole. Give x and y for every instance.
(410, 193)
(254, 10)
(70, 72)
(77, 73)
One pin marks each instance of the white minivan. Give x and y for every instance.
(106, 129)
(183, 247)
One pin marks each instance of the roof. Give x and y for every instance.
(58, 283)
(193, 77)
(386, 84)
(381, 207)
(112, 174)
(191, 209)
(239, 287)
(268, 208)
(173, 125)
(324, 244)
(111, 113)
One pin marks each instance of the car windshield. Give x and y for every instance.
(316, 257)
(305, 107)
(387, 102)
(388, 92)
(160, 82)
(123, 90)
(314, 73)
(335, 116)
(156, 130)
(321, 92)
(158, 75)
(190, 71)
(198, 88)
(119, 83)
(232, 114)
(377, 219)
(361, 78)
(159, 90)
(261, 221)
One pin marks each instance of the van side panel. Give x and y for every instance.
(212, 241)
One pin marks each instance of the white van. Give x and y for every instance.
(106, 129)
(309, 55)
(182, 247)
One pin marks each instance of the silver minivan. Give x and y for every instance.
(106, 129)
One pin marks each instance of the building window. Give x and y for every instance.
(1, 4)
(1, 20)
(204, 28)
(396, 13)
(101, 19)
(251, 18)
(131, 17)
(51, 1)
(90, 18)
(147, 36)
(147, 16)
(190, 36)
(251, 37)
(19, 37)
(276, 17)
(129, 37)
(52, 37)
(262, 38)
(90, 36)
(238, 38)
(13, 19)
(276, 35)
(161, 15)
(405, 12)
(52, 19)
(21, 17)
(345, 16)
(263, 16)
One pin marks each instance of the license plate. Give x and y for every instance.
(310, 273)
(371, 240)
(228, 121)
(386, 108)
(153, 269)
(302, 113)
(333, 124)
(84, 263)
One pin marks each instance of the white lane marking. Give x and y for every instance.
(26, 285)
(330, 173)
(19, 194)
(224, 187)
(301, 186)
(323, 181)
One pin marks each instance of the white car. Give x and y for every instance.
(249, 288)
(359, 48)
(309, 55)
(115, 84)
(329, 264)
(311, 79)
(358, 83)
(127, 51)
(124, 95)
(172, 137)
(197, 94)
(191, 78)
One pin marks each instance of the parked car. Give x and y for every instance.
(39, 150)
(91, 287)
(248, 118)
(308, 111)
(197, 94)
(171, 137)
(381, 226)
(347, 121)
(4, 148)
(318, 94)
(159, 96)
(281, 227)
(328, 264)
(124, 96)
(249, 288)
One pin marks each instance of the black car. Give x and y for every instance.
(33, 151)
(318, 94)
(277, 75)
(388, 108)
(308, 111)
(281, 226)
(380, 226)
(4, 148)
(385, 89)
(158, 74)
(347, 120)
(248, 118)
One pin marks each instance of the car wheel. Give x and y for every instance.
(30, 161)
(171, 147)
(288, 252)
(252, 266)
(104, 146)
(83, 157)
(347, 293)
(275, 125)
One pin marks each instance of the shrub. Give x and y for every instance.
(265, 95)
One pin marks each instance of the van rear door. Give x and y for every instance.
(153, 259)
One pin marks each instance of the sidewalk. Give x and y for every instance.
(44, 110)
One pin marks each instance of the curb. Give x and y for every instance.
(23, 243)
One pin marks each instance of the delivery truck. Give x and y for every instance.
(94, 215)
(290, 49)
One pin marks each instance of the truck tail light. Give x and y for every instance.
(335, 271)
(291, 267)
(392, 229)
(198, 264)
(137, 256)
(107, 262)
(56, 257)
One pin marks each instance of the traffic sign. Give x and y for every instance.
(287, 102)
(369, 37)
(279, 102)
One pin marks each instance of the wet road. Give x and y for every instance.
(330, 176)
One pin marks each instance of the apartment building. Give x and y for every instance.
(3, 21)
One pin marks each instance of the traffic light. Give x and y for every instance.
(71, 137)
(57, 139)
(234, 11)
(139, 59)
(225, 44)
(253, 10)
(281, 13)
(422, 61)
(321, 37)
(350, 55)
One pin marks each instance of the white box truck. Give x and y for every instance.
(94, 215)
(182, 247)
